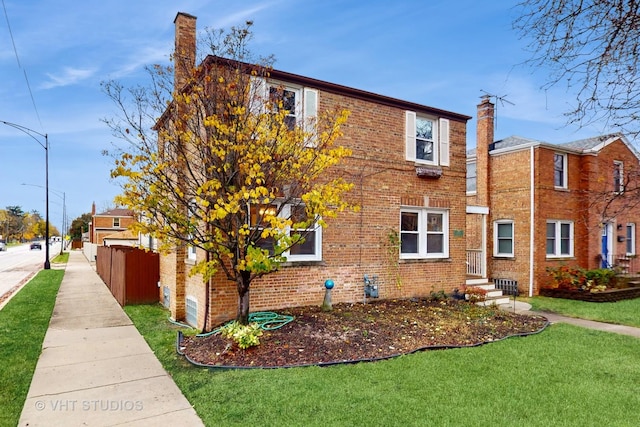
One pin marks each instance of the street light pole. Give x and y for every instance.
(30, 132)
(64, 210)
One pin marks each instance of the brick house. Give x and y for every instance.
(108, 223)
(408, 167)
(533, 205)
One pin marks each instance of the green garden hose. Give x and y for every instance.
(267, 320)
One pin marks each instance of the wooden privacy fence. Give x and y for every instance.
(131, 274)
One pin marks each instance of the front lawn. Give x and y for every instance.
(23, 325)
(565, 375)
(626, 312)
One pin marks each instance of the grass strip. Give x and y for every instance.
(23, 325)
(564, 376)
(623, 312)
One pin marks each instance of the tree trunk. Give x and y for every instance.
(243, 298)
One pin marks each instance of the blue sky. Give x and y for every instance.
(437, 53)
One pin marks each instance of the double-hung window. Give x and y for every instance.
(424, 233)
(560, 170)
(116, 222)
(300, 104)
(631, 239)
(618, 177)
(559, 239)
(191, 249)
(287, 99)
(309, 249)
(427, 139)
(472, 177)
(503, 238)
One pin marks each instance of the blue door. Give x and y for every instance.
(605, 250)
(607, 246)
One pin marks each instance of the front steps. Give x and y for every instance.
(493, 296)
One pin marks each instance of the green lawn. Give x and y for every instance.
(564, 376)
(23, 324)
(625, 312)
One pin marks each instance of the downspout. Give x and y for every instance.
(532, 227)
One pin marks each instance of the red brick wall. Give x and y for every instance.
(103, 226)
(510, 199)
(357, 244)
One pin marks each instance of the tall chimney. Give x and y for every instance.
(484, 138)
(184, 57)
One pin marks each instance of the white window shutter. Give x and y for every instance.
(444, 141)
(310, 103)
(257, 95)
(410, 135)
(310, 113)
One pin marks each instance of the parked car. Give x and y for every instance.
(3, 246)
(36, 245)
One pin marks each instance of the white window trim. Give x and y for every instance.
(621, 169)
(306, 108)
(422, 233)
(631, 226)
(317, 229)
(285, 212)
(496, 246)
(440, 139)
(191, 249)
(556, 252)
(565, 174)
(475, 163)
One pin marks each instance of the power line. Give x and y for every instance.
(15, 50)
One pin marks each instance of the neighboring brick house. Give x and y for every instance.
(533, 205)
(109, 222)
(407, 185)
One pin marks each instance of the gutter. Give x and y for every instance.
(531, 219)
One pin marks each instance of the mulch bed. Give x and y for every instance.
(364, 332)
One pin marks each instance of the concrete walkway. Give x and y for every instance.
(525, 308)
(95, 368)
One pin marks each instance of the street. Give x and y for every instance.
(18, 263)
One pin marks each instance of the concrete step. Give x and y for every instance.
(499, 300)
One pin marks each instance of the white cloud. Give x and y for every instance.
(67, 77)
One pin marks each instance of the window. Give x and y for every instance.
(166, 297)
(424, 233)
(631, 239)
(286, 98)
(116, 222)
(560, 170)
(472, 181)
(309, 250)
(618, 177)
(503, 239)
(191, 315)
(300, 103)
(191, 249)
(427, 139)
(559, 239)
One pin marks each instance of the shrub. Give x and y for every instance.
(244, 335)
(578, 279)
(474, 294)
(601, 276)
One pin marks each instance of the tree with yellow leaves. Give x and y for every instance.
(231, 174)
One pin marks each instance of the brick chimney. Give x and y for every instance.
(484, 138)
(184, 56)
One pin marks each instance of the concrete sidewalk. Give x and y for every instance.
(95, 368)
(525, 308)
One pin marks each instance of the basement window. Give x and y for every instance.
(192, 311)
